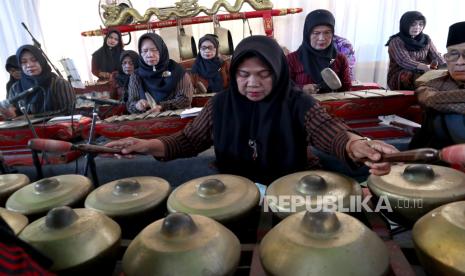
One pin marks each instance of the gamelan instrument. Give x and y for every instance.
(366, 103)
(41, 196)
(183, 244)
(144, 125)
(360, 110)
(78, 241)
(133, 202)
(222, 197)
(310, 187)
(438, 240)
(413, 190)
(10, 183)
(15, 220)
(15, 134)
(323, 243)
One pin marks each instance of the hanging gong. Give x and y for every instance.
(15, 220)
(439, 240)
(129, 196)
(9, 183)
(222, 197)
(71, 237)
(413, 190)
(323, 243)
(308, 189)
(45, 194)
(183, 244)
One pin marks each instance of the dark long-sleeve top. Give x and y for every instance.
(402, 59)
(340, 66)
(180, 97)
(224, 71)
(323, 131)
(62, 99)
(443, 94)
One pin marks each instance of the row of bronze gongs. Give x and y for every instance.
(212, 189)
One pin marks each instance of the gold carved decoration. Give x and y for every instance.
(116, 15)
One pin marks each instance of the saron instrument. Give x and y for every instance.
(79, 241)
(15, 220)
(183, 244)
(439, 240)
(311, 187)
(41, 196)
(10, 183)
(132, 202)
(323, 243)
(413, 190)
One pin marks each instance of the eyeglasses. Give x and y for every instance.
(207, 48)
(454, 55)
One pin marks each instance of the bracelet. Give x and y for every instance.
(351, 142)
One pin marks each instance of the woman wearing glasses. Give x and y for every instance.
(411, 52)
(443, 99)
(316, 53)
(158, 76)
(210, 72)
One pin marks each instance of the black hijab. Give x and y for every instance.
(411, 44)
(316, 60)
(11, 63)
(37, 102)
(123, 78)
(275, 123)
(209, 69)
(106, 57)
(163, 81)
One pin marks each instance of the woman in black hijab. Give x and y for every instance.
(50, 93)
(316, 53)
(129, 61)
(13, 69)
(163, 78)
(411, 52)
(211, 70)
(260, 127)
(105, 60)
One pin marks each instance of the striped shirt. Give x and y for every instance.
(340, 66)
(224, 71)
(323, 132)
(443, 94)
(180, 97)
(401, 59)
(63, 98)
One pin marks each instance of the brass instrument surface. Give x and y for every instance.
(115, 15)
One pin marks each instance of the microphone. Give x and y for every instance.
(99, 101)
(331, 79)
(21, 95)
(434, 64)
(36, 43)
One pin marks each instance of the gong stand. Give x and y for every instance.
(35, 154)
(90, 157)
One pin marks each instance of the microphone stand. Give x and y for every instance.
(43, 53)
(35, 155)
(90, 157)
